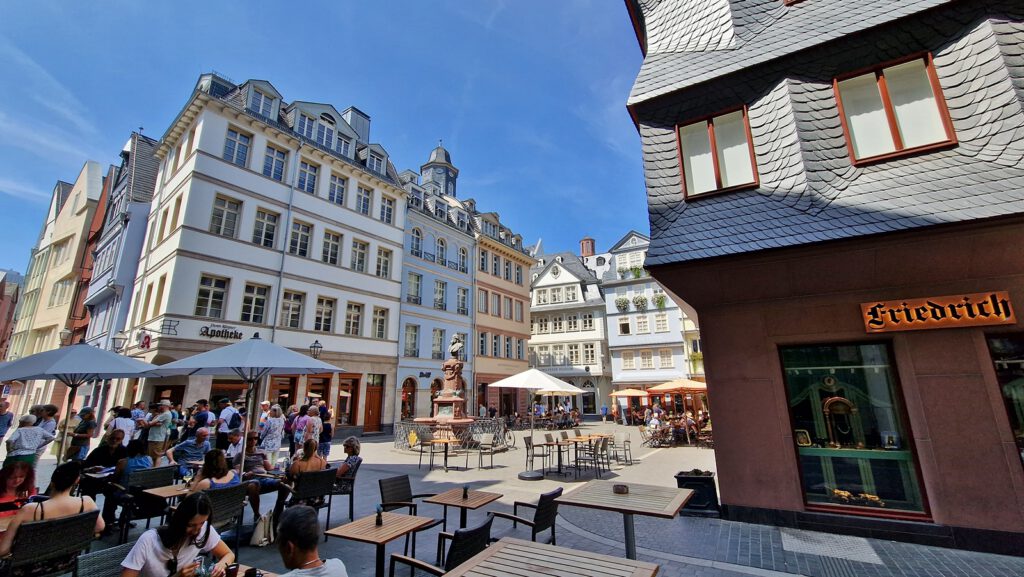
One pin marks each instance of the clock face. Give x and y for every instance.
(439, 171)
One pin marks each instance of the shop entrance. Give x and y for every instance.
(409, 398)
(589, 398)
(282, 391)
(348, 391)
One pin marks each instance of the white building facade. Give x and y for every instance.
(568, 336)
(278, 219)
(437, 276)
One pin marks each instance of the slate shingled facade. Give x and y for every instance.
(787, 260)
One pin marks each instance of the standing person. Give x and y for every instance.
(46, 420)
(139, 411)
(122, 422)
(491, 411)
(200, 418)
(173, 549)
(326, 434)
(6, 418)
(272, 433)
(87, 429)
(289, 429)
(615, 412)
(313, 425)
(159, 430)
(25, 441)
(264, 410)
(64, 430)
(227, 419)
(298, 538)
(604, 412)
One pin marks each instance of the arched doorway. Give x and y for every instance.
(435, 389)
(409, 398)
(589, 398)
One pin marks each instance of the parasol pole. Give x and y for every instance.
(67, 419)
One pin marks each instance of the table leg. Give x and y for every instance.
(462, 517)
(627, 523)
(380, 560)
(446, 457)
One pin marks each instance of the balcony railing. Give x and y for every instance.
(428, 256)
(440, 305)
(463, 311)
(416, 252)
(414, 299)
(437, 355)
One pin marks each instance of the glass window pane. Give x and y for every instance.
(698, 167)
(848, 426)
(1008, 355)
(865, 117)
(913, 100)
(733, 150)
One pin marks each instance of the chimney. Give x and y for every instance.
(587, 247)
(359, 121)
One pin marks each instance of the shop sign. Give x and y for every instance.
(992, 308)
(220, 332)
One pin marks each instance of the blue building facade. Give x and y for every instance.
(437, 284)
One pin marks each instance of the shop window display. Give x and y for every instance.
(849, 428)
(1008, 356)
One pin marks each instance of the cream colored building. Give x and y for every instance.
(51, 282)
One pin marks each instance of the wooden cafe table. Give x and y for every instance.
(663, 502)
(168, 492)
(453, 498)
(365, 530)
(519, 558)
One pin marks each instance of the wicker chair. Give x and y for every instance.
(621, 448)
(396, 493)
(102, 563)
(596, 455)
(465, 544)
(544, 515)
(228, 509)
(533, 452)
(484, 445)
(345, 486)
(139, 505)
(50, 547)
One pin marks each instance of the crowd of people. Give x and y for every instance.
(204, 445)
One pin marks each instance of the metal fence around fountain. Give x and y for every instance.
(468, 435)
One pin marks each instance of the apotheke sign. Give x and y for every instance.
(220, 332)
(991, 308)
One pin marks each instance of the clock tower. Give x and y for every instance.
(439, 173)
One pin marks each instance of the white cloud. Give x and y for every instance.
(23, 191)
(44, 140)
(43, 88)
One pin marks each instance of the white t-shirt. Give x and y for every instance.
(330, 568)
(226, 414)
(149, 556)
(125, 424)
(27, 440)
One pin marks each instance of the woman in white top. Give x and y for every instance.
(123, 421)
(26, 441)
(174, 550)
(272, 432)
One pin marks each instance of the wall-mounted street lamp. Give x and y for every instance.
(315, 349)
(118, 341)
(65, 337)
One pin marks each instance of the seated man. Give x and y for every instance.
(103, 457)
(298, 535)
(192, 449)
(257, 463)
(234, 451)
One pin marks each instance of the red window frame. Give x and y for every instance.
(879, 72)
(710, 120)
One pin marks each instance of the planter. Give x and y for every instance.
(704, 501)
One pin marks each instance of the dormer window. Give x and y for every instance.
(305, 126)
(416, 199)
(261, 103)
(325, 131)
(461, 217)
(344, 146)
(717, 154)
(441, 210)
(375, 163)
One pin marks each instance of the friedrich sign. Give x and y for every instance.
(993, 308)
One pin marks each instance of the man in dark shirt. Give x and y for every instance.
(200, 418)
(102, 457)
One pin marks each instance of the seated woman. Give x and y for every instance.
(60, 504)
(107, 455)
(17, 484)
(350, 465)
(173, 550)
(256, 463)
(136, 460)
(215, 473)
(306, 460)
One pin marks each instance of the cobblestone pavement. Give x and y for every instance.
(685, 546)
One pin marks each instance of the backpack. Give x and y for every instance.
(235, 422)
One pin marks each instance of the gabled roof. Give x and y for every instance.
(625, 239)
(692, 41)
(570, 263)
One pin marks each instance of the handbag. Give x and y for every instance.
(263, 534)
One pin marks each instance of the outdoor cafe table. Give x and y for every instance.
(664, 502)
(446, 443)
(520, 558)
(453, 498)
(168, 492)
(366, 530)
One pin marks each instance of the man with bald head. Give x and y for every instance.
(191, 449)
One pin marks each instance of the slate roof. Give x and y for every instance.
(692, 41)
(809, 190)
(570, 263)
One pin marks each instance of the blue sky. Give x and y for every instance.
(528, 95)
